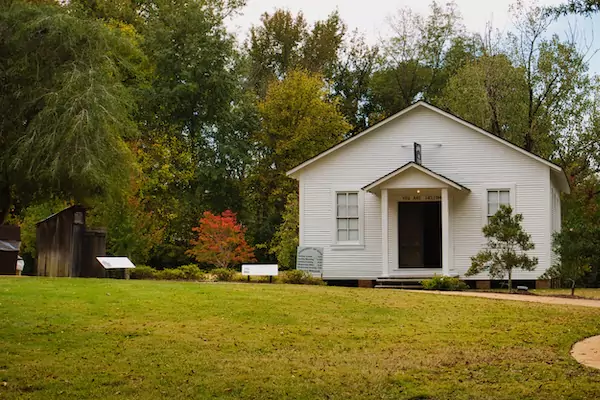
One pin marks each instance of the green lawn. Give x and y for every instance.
(102, 339)
(590, 293)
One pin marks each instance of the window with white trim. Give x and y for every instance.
(495, 199)
(347, 217)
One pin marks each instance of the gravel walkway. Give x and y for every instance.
(519, 297)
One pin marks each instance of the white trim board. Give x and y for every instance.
(420, 168)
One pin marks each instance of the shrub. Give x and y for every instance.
(170, 274)
(444, 283)
(507, 246)
(143, 272)
(192, 272)
(223, 274)
(220, 241)
(297, 277)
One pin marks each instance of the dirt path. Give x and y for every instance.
(587, 352)
(520, 297)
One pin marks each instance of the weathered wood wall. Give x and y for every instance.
(59, 243)
(8, 259)
(94, 245)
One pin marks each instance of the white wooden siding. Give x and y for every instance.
(556, 217)
(450, 149)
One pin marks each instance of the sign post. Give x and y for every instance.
(310, 259)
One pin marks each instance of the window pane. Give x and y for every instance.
(342, 224)
(492, 208)
(353, 199)
(341, 199)
(504, 197)
(341, 211)
(353, 223)
(353, 211)
(353, 234)
(342, 235)
(492, 196)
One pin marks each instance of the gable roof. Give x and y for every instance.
(418, 167)
(553, 167)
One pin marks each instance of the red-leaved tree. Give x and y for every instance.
(221, 241)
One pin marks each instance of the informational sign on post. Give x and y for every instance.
(115, 262)
(269, 270)
(260, 269)
(310, 259)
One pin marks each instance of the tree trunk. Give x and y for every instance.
(509, 281)
(572, 287)
(5, 200)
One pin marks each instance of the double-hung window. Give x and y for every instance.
(495, 199)
(347, 218)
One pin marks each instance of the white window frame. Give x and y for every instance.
(347, 244)
(510, 187)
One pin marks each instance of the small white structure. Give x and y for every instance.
(408, 197)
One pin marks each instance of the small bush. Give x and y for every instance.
(297, 277)
(183, 273)
(223, 274)
(444, 283)
(170, 274)
(192, 272)
(143, 272)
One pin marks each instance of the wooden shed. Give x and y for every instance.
(66, 249)
(10, 240)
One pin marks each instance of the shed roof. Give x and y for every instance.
(74, 208)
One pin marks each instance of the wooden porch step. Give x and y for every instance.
(414, 287)
(399, 283)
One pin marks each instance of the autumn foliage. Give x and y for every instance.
(220, 241)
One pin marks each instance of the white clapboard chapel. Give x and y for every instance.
(408, 197)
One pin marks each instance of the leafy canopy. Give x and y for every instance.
(298, 121)
(65, 110)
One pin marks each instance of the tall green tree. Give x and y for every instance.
(555, 74)
(582, 7)
(65, 109)
(284, 42)
(419, 57)
(196, 96)
(299, 120)
(351, 81)
(491, 93)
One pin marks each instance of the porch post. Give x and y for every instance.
(445, 233)
(384, 232)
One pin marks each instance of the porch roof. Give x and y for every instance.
(414, 166)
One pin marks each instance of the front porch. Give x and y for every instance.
(416, 230)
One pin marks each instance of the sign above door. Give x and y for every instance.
(418, 159)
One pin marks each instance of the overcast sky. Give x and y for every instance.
(369, 17)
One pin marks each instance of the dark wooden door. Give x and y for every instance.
(410, 234)
(419, 234)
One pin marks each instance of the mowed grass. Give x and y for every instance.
(589, 293)
(105, 339)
